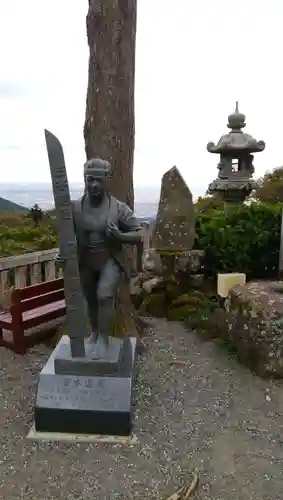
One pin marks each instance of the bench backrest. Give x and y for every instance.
(31, 297)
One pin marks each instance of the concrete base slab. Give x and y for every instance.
(34, 435)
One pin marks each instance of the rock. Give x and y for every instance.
(151, 283)
(135, 285)
(190, 261)
(175, 222)
(152, 261)
(169, 288)
(196, 280)
(255, 326)
(277, 287)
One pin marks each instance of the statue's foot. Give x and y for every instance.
(101, 346)
(92, 338)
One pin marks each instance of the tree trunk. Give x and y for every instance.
(110, 121)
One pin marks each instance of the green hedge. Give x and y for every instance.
(241, 239)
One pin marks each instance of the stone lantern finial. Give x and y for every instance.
(237, 120)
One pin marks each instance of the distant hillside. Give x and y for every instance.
(10, 206)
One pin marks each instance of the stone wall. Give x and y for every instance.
(254, 325)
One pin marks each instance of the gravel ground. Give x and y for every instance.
(196, 410)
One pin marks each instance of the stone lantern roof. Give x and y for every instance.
(236, 141)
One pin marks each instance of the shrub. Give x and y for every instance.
(24, 238)
(47, 241)
(13, 219)
(244, 238)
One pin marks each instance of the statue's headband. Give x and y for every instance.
(97, 166)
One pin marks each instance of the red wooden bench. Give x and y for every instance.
(30, 307)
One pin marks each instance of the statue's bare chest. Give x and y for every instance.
(94, 219)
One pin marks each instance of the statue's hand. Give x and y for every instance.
(115, 232)
(59, 260)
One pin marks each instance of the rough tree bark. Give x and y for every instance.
(110, 121)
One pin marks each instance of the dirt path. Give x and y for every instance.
(201, 412)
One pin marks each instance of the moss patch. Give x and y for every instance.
(187, 298)
(181, 313)
(154, 305)
(171, 253)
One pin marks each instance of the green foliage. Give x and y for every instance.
(244, 238)
(47, 241)
(23, 237)
(270, 188)
(208, 203)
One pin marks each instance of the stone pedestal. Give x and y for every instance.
(87, 395)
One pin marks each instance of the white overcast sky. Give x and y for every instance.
(194, 59)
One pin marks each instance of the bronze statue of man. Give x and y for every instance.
(102, 225)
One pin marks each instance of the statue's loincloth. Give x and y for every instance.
(95, 257)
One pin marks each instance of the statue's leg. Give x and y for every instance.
(89, 282)
(106, 293)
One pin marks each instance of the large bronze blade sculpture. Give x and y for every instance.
(75, 307)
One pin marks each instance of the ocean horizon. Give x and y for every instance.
(146, 198)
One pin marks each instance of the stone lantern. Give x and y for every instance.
(234, 182)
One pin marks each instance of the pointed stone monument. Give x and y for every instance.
(175, 222)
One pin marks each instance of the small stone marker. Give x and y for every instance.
(226, 281)
(175, 221)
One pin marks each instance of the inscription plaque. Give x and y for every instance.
(83, 392)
